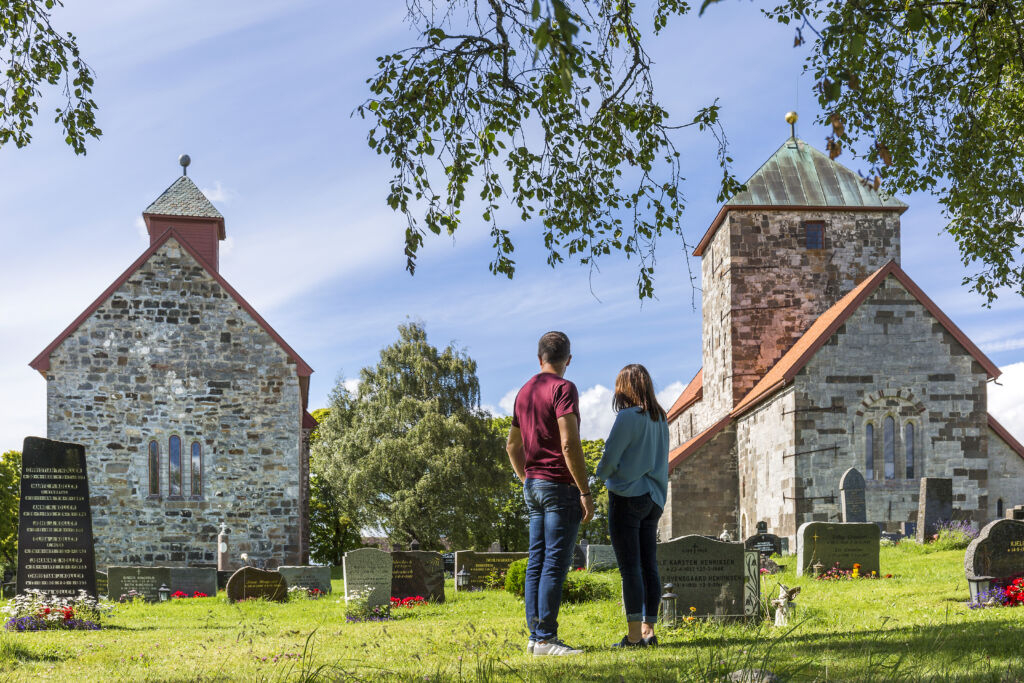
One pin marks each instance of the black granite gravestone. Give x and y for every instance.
(934, 506)
(997, 552)
(55, 543)
(852, 500)
(764, 543)
(417, 573)
(482, 567)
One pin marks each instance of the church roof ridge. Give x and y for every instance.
(783, 372)
(183, 198)
(798, 176)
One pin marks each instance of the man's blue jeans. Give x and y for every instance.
(555, 516)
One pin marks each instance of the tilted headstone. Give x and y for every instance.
(192, 580)
(145, 581)
(482, 566)
(249, 583)
(55, 542)
(852, 498)
(997, 552)
(417, 573)
(601, 557)
(709, 575)
(844, 544)
(308, 577)
(934, 506)
(368, 575)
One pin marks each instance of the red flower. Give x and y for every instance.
(200, 595)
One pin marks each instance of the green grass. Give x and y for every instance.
(913, 627)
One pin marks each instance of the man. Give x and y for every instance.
(546, 454)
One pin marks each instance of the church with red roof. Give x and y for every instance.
(191, 407)
(821, 355)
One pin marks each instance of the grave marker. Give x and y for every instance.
(145, 581)
(718, 578)
(252, 583)
(600, 557)
(934, 505)
(368, 573)
(417, 572)
(482, 565)
(840, 543)
(997, 553)
(852, 499)
(192, 580)
(55, 543)
(763, 542)
(308, 577)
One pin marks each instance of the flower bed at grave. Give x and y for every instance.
(1010, 595)
(408, 603)
(178, 595)
(838, 574)
(303, 592)
(37, 611)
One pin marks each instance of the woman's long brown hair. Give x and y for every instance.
(633, 387)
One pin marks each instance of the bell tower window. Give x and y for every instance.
(814, 234)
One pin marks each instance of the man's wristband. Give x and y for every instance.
(584, 495)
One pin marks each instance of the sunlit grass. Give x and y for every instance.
(915, 626)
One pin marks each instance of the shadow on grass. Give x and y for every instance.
(13, 651)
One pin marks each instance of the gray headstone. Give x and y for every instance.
(934, 505)
(368, 573)
(308, 577)
(417, 573)
(143, 580)
(55, 542)
(784, 545)
(600, 557)
(481, 566)
(852, 501)
(997, 552)
(706, 574)
(192, 580)
(250, 583)
(844, 544)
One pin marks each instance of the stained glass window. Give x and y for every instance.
(154, 469)
(869, 450)
(908, 447)
(889, 440)
(197, 470)
(174, 466)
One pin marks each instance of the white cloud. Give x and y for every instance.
(1006, 399)
(668, 395)
(218, 193)
(140, 227)
(352, 384)
(1003, 345)
(596, 414)
(508, 402)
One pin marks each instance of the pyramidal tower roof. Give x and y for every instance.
(798, 174)
(183, 198)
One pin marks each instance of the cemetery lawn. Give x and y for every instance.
(915, 626)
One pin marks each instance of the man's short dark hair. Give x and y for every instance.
(553, 348)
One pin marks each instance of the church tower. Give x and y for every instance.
(804, 232)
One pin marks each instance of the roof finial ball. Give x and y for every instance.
(184, 160)
(791, 118)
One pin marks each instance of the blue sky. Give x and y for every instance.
(261, 93)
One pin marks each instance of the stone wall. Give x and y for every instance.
(1005, 475)
(716, 342)
(779, 287)
(765, 444)
(702, 490)
(891, 358)
(172, 353)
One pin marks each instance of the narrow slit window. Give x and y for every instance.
(154, 468)
(889, 436)
(908, 447)
(174, 466)
(197, 470)
(815, 234)
(869, 451)
(999, 509)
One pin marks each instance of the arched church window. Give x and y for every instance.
(174, 466)
(889, 445)
(908, 448)
(154, 468)
(869, 450)
(197, 470)
(999, 509)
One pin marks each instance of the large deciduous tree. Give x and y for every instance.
(34, 56)
(331, 532)
(411, 453)
(10, 495)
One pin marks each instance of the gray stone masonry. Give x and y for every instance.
(702, 490)
(1005, 475)
(767, 483)
(171, 353)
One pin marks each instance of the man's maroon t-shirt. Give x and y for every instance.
(539, 404)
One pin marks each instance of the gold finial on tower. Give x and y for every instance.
(791, 118)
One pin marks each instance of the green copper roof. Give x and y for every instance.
(183, 198)
(800, 175)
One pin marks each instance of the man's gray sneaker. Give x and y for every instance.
(554, 648)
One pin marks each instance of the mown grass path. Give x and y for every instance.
(915, 626)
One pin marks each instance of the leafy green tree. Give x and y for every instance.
(331, 532)
(10, 494)
(34, 55)
(596, 530)
(411, 453)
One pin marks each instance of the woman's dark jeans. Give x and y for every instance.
(633, 525)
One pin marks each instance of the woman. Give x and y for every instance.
(635, 470)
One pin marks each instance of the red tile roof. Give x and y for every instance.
(683, 451)
(42, 361)
(826, 325)
(1006, 436)
(693, 392)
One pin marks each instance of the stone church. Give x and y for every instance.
(192, 409)
(821, 354)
